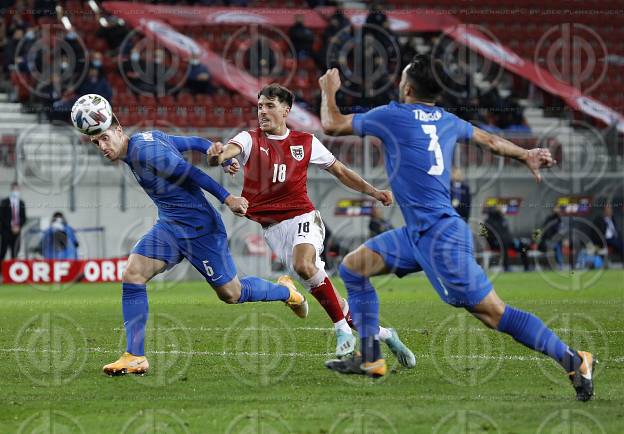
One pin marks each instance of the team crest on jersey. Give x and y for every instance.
(297, 152)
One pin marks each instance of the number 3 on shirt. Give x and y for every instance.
(434, 146)
(279, 172)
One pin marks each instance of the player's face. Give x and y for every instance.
(272, 114)
(110, 142)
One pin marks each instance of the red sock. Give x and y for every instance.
(326, 296)
(349, 319)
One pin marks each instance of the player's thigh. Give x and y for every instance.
(210, 255)
(446, 255)
(388, 252)
(156, 251)
(307, 233)
(140, 269)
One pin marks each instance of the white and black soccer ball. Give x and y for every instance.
(91, 114)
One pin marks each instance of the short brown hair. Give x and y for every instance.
(115, 121)
(275, 90)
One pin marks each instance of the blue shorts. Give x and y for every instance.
(443, 252)
(209, 253)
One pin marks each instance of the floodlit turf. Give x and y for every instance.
(257, 368)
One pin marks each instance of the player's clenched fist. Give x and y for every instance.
(384, 196)
(231, 167)
(238, 205)
(330, 81)
(214, 154)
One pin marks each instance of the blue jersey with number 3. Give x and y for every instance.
(419, 141)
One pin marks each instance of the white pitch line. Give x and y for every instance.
(98, 350)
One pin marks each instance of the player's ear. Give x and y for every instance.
(286, 110)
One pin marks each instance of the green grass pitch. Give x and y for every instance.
(256, 368)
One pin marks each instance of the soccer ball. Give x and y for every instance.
(91, 114)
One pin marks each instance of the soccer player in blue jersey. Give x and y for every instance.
(419, 140)
(187, 227)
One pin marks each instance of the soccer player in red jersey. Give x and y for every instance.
(275, 161)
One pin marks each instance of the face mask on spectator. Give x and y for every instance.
(71, 36)
(15, 195)
(64, 65)
(135, 56)
(195, 62)
(30, 35)
(57, 224)
(97, 63)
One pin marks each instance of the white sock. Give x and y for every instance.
(384, 333)
(343, 326)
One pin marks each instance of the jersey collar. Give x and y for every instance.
(274, 137)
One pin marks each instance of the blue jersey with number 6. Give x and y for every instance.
(419, 141)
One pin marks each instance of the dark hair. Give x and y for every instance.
(278, 91)
(58, 214)
(426, 77)
(14, 184)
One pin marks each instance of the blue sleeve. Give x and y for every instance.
(464, 128)
(190, 143)
(171, 166)
(373, 122)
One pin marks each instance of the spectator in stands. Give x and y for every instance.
(499, 237)
(378, 224)
(302, 38)
(552, 234)
(336, 35)
(198, 80)
(95, 82)
(14, 60)
(47, 93)
(97, 61)
(376, 15)
(114, 32)
(460, 194)
(608, 229)
(3, 43)
(59, 240)
(12, 219)
(45, 8)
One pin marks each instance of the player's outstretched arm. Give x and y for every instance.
(334, 123)
(218, 152)
(191, 143)
(355, 182)
(534, 159)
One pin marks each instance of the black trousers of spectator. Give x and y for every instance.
(9, 241)
(618, 245)
(520, 247)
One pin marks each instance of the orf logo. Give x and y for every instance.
(297, 152)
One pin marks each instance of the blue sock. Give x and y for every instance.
(256, 289)
(364, 306)
(530, 331)
(134, 307)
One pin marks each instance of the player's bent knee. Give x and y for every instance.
(229, 293)
(305, 269)
(133, 275)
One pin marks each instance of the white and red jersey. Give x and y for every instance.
(276, 172)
